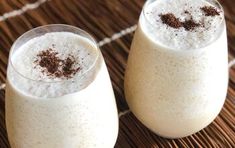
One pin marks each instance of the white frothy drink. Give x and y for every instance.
(177, 75)
(65, 44)
(59, 107)
(181, 38)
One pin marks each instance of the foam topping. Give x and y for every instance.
(182, 24)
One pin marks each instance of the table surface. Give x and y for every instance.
(112, 23)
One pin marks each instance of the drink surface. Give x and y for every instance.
(182, 24)
(60, 61)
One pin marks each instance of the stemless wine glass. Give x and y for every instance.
(85, 118)
(176, 93)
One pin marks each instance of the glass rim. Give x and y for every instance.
(218, 5)
(87, 36)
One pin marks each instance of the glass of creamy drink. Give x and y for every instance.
(59, 93)
(177, 72)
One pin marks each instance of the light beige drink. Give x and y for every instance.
(176, 78)
(66, 105)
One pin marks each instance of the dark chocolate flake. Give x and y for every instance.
(190, 24)
(170, 20)
(210, 11)
(54, 66)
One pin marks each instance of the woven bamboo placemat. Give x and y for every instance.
(112, 22)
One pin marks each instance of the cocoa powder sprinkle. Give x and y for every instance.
(170, 20)
(210, 11)
(54, 66)
(190, 24)
(67, 68)
(49, 61)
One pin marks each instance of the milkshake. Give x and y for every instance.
(177, 76)
(58, 92)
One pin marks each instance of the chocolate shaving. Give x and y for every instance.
(49, 61)
(67, 68)
(170, 20)
(190, 24)
(210, 11)
(54, 66)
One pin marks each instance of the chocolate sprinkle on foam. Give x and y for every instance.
(170, 20)
(190, 24)
(210, 11)
(54, 66)
(49, 61)
(67, 68)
